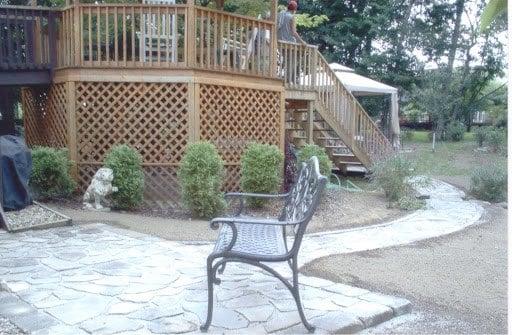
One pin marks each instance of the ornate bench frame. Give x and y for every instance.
(237, 243)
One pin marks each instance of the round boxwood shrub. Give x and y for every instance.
(126, 163)
(50, 175)
(200, 175)
(310, 150)
(489, 183)
(455, 131)
(262, 167)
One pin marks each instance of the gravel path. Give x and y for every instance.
(7, 328)
(340, 209)
(457, 283)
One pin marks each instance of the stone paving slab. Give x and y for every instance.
(97, 279)
(446, 211)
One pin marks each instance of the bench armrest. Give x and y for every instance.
(243, 196)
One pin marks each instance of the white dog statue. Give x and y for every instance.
(100, 188)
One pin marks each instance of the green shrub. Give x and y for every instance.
(126, 163)
(481, 135)
(406, 134)
(262, 166)
(50, 175)
(455, 131)
(310, 150)
(200, 176)
(391, 175)
(497, 139)
(489, 183)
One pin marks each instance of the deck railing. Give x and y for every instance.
(297, 65)
(304, 68)
(123, 35)
(28, 37)
(234, 43)
(165, 36)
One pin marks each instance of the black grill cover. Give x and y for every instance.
(16, 165)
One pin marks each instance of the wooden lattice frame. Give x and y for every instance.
(46, 118)
(151, 117)
(155, 119)
(231, 117)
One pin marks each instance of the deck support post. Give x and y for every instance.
(193, 112)
(71, 116)
(310, 120)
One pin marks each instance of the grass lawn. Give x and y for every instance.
(453, 160)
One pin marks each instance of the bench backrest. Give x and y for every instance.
(304, 198)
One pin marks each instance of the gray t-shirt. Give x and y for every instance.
(284, 27)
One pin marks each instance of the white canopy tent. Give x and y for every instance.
(363, 86)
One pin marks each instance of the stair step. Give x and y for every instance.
(343, 155)
(328, 138)
(295, 129)
(335, 146)
(348, 163)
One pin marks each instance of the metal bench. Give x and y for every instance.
(254, 240)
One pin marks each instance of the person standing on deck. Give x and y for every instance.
(287, 31)
(286, 27)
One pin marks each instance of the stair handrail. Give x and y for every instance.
(365, 122)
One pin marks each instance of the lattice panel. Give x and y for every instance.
(232, 179)
(45, 115)
(231, 117)
(160, 183)
(151, 117)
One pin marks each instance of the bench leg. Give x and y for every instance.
(210, 274)
(296, 296)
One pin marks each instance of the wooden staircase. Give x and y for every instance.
(334, 119)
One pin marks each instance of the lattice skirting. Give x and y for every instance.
(155, 119)
(45, 117)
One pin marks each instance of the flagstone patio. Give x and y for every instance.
(103, 280)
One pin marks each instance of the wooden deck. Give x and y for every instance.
(160, 76)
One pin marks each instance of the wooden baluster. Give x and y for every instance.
(116, 39)
(159, 33)
(221, 41)
(216, 48)
(90, 50)
(98, 29)
(125, 56)
(208, 40)
(148, 49)
(27, 41)
(107, 33)
(174, 32)
(167, 31)
(132, 19)
(227, 42)
(17, 40)
(201, 39)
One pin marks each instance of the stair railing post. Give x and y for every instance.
(314, 68)
(309, 128)
(273, 38)
(191, 34)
